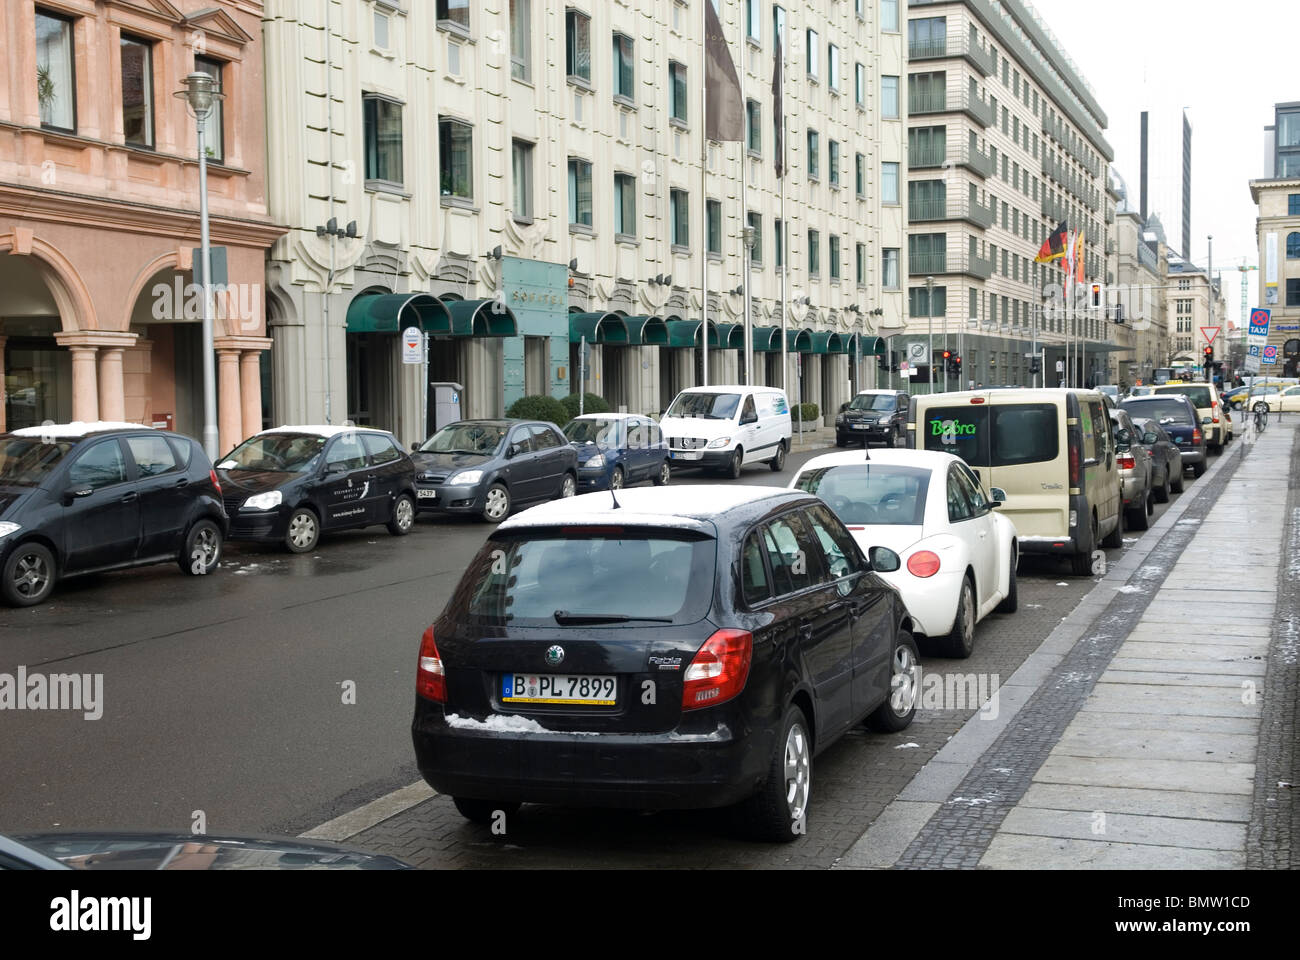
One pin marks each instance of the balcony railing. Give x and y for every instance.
(926, 264)
(955, 46)
(927, 156)
(933, 209)
(932, 264)
(937, 101)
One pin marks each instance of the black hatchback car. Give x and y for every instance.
(290, 484)
(661, 652)
(1178, 417)
(873, 415)
(485, 468)
(88, 497)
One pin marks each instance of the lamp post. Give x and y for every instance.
(202, 92)
(929, 309)
(748, 238)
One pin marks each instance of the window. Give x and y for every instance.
(454, 11)
(381, 28)
(1293, 293)
(680, 210)
(927, 37)
(381, 449)
(383, 131)
(625, 204)
(889, 182)
(833, 66)
(152, 455)
(754, 126)
(889, 16)
(677, 91)
(522, 170)
(56, 93)
(889, 98)
(544, 438)
(860, 84)
(889, 265)
(833, 159)
(778, 27)
(812, 50)
(214, 141)
(137, 92)
(577, 49)
(860, 174)
(835, 257)
(753, 21)
(859, 8)
(755, 221)
(713, 210)
(346, 452)
(918, 302)
(814, 253)
(1293, 246)
(839, 552)
(789, 553)
(779, 238)
(579, 193)
(101, 466)
(456, 159)
(623, 67)
(860, 259)
(521, 48)
(1292, 204)
(753, 580)
(814, 155)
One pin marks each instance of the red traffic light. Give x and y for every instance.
(957, 360)
(947, 354)
(1209, 351)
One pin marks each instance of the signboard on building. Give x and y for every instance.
(1270, 269)
(537, 293)
(412, 345)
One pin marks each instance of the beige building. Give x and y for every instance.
(1135, 299)
(526, 175)
(1277, 228)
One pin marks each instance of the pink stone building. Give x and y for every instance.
(99, 198)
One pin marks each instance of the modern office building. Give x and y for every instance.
(526, 178)
(1165, 174)
(99, 212)
(1134, 294)
(1005, 141)
(1277, 228)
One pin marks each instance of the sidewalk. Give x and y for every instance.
(1132, 737)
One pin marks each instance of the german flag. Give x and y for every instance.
(1054, 247)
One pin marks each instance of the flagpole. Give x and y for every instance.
(704, 189)
(745, 240)
(781, 239)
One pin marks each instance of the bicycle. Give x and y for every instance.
(1261, 417)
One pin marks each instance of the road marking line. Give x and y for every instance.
(371, 814)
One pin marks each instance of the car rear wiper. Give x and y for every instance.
(565, 618)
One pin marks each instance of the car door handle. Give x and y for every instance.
(805, 630)
(130, 497)
(183, 482)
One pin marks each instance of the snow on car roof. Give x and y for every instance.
(319, 430)
(680, 507)
(76, 429)
(927, 459)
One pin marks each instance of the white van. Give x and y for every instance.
(723, 427)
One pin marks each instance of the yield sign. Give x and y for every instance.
(1209, 333)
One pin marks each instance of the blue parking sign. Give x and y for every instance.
(1259, 322)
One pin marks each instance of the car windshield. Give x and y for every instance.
(595, 572)
(27, 461)
(870, 494)
(1199, 394)
(709, 406)
(1163, 410)
(276, 452)
(603, 432)
(468, 437)
(883, 402)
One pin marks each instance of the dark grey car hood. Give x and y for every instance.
(446, 462)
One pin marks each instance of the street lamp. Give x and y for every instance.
(748, 238)
(929, 309)
(202, 92)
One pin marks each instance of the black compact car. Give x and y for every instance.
(873, 416)
(87, 497)
(291, 484)
(485, 468)
(661, 652)
(1175, 413)
(1166, 459)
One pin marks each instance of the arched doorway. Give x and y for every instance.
(163, 371)
(37, 371)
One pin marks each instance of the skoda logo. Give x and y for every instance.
(555, 655)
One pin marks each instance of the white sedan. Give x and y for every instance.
(959, 555)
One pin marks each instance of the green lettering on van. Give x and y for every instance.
(951, 428)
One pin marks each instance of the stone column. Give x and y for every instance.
(85, 395)
(112, 395)
(230, 416)
(250, 388)
(3, 422)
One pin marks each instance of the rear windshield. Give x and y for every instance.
(1200, 396)
(867, 494)
(1160, 409)
(1003, 435)
(613, 572)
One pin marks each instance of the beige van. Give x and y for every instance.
(1050, 454)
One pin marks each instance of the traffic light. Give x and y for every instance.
(1209, 354)
(882, 362)
(1035, 365)
(1096, 294)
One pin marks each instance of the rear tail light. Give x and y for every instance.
(431, 678)
(923, 564)
(1196, 435)
(212, 475)
(719, 670)
(1126, 461)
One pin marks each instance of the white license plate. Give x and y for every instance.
(594, 691)
(427, 494)
(862, 426)
(686, 454)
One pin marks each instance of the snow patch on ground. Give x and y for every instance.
(1062, 584)
(908, 746)
(1129, 588)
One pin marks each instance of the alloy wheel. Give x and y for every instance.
(903, 696)
(569, 487)
(616, 480)
(203, 555)
(798, 771)
(31, 575)
(404, 514)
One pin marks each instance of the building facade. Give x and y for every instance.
(1277, 228)
(1005, 141)
(1135, 300)
(1193, 306)
(99, 201)
(527, 179)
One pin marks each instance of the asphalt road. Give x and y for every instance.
(278, 693)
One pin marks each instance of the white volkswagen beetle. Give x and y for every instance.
(958, 554)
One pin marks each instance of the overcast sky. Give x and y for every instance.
(1227, 68)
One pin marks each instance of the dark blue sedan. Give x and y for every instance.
(615, 449)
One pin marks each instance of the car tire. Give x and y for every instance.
(960, 642)
(1011, 601)
(568, 486)
(303, 531)
(1162, 493)
(616, 479)
(1198, 469)
(29, 575)
(1112, 541)
(1177, 484)
(496, 503)
(778, 810)
(664, 474)
(1136, 517)
(777, 463)
(734, 465)
(403, 517)
(201, 553)
(483, 811)
(899, 708)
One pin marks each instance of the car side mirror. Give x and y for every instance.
(76, 493)
(512, 451)
(843, 407)
(999, 496)
(883, 560)
(415, 447)
(332, 468)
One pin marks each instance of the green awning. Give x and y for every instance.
(799, 341)
(873, 346)
(732, 336)
(685, 333)
(394, 312)
(479, 318)
(646, 331)
(767, 339)
(598, 328)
